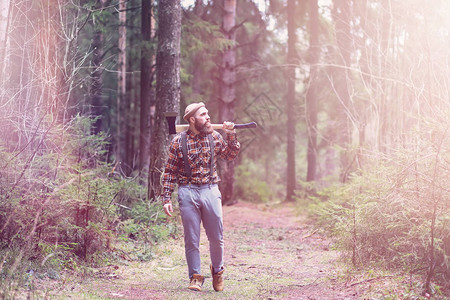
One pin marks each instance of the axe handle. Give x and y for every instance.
(183, 127)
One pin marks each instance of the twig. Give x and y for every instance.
(310, 234)
(371, 279)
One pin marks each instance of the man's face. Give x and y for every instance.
(202, 121)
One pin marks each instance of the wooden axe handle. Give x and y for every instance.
(183, 127)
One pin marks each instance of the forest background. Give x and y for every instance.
(351, 99)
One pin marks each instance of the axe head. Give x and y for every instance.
(171, 118)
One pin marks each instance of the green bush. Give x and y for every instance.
(147, 222)
(62, 204)
(395, 211)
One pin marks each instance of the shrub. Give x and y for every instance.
(62, 204)
(395, 211)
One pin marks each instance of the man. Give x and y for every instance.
(192, 165)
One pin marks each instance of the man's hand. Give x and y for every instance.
(168, 209)
(228, 127)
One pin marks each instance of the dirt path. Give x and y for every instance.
(270, 254)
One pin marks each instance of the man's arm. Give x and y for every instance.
(230, 148)
(170, 177)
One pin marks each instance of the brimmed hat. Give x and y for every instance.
(191, 109)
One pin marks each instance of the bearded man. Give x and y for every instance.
(192, 165)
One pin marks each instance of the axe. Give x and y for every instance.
(172, 116)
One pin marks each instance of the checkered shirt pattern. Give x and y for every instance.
(199, 155)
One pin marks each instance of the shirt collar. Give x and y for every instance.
(192, 135)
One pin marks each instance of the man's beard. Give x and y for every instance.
(204, 128)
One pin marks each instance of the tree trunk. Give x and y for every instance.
(341, 15)
(130, 116)
(121, 80)
(4, 21)
(290, 102)
(37, 68)
(197, 71)
(146, 88)
(385, 106)
(52, 67)
(167, 88)
(311, 95)
(227, 99)
(97, 76)
(18, 72)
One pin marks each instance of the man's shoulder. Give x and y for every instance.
(216, 135)
(176, 139)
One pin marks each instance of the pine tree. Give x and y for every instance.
(167, 87)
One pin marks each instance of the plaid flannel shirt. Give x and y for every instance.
(199, 156)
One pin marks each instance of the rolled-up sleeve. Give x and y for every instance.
(170, 171)
(230, 147)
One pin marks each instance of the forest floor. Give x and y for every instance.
(272, 252)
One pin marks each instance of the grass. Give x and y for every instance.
(267, 255)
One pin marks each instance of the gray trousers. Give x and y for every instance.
(201, 203)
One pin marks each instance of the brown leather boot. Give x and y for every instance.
(217, 279)
(196, 282)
